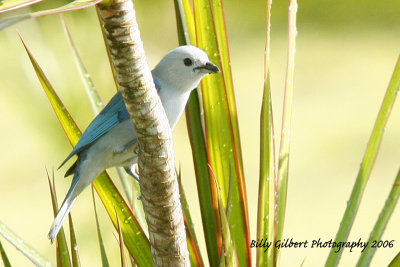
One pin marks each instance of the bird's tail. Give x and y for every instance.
(62, 214)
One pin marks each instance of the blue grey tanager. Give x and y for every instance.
(110, 140)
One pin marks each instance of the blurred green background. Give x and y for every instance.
(346, 51)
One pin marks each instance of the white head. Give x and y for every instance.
(184, 67)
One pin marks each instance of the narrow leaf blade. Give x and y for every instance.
(207, 198)
(90, 88)
(228, 255)
(74, 5)
(28, 251)
(220, 123)
(380, 225)
(4, 257)
(63, 256)
(74, 246)
(366, 165)
(8, 5)
(396, 261)
(283, 162)
(266, 195)
(104, 259)
(121, 242)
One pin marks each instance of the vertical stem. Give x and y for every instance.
(159, 186)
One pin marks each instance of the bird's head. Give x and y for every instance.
(184, 67)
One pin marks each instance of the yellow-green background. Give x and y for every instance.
(346, 51)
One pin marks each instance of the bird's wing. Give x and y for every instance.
(113, 114)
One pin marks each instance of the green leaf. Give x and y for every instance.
(63, 257)
(90, 88)
(220, 122)
(121, 242)
(74, 245)
(207, 198)
(266, 193)
(396, 261)
(366, 165)
(283, 162)
(135, 240)
(185, 22)
(74, 5)
(29, 252)
(8, 5)
(4, 257)
(127, 184)
(228, 255)
(103, 253)
(381, 223)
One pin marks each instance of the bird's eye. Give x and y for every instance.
(188, 62)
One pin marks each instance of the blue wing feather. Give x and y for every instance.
(113, 114)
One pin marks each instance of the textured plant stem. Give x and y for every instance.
(159, 186)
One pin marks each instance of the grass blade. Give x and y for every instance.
(127, 184)
(63, 257)
(381, 223)
(8, 5)
(136, 241)
(185, 22)
(90, 88)
(266, 195)
(228, 255)
(207, 198)
(74, 245)
(396, 261)
(223, 146)
(103, 253)
(29, 252)
(283, 163)
(223, 48)
(4, 257)
(121, 242)
(74, 5)
(366, 165)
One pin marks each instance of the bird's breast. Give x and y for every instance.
(174, 102)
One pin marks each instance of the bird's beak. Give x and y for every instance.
(209, 67)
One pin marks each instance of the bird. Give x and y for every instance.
(110, 139)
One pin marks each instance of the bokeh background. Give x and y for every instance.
(346, 51)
